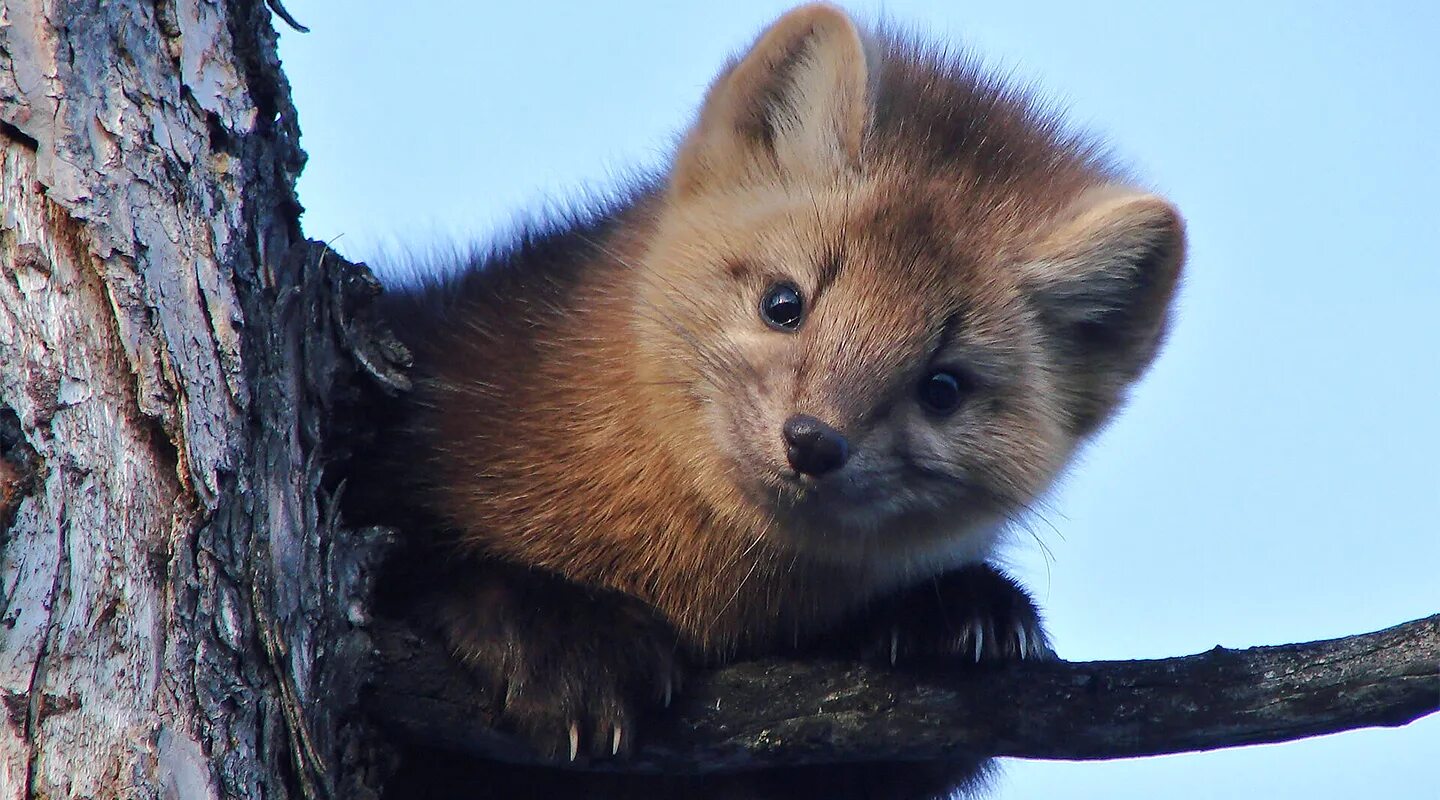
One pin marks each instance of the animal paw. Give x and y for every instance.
(975, 614)
(575, 668)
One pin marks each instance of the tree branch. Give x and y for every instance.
(776, 713)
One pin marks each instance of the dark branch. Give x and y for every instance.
(777, 713)
(279, 9)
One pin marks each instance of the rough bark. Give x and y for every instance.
(174, 620)
(775, 713)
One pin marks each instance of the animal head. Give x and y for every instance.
(890, 295)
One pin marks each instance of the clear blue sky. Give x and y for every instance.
(1275, 478)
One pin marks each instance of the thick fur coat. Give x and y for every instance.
(785, 398)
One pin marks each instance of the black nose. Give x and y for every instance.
(813, 447)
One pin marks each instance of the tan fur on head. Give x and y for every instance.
(796, 104)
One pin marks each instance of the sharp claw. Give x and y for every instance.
(574, 740)
(979, 641)
(669, 691)
(615, 741)
(1020, 636)
(894, 645)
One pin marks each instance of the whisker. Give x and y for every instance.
(741, 585)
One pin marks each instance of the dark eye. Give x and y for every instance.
(782, 307)
(942, 391)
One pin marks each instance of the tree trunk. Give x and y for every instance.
(173, 622)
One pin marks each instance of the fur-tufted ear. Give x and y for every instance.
(796, 102)
(1102, 283)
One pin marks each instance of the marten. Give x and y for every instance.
(786, 397)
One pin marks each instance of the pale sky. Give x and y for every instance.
(1274, 479)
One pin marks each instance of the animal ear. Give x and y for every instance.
(796, 102)
(1102, 282)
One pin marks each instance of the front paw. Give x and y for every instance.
(575, 667)
(974, 614)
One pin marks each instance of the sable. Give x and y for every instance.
(784, 398)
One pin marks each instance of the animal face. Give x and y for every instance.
(865, 379)
(888, 352)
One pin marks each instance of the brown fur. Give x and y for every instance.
(604, 403)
